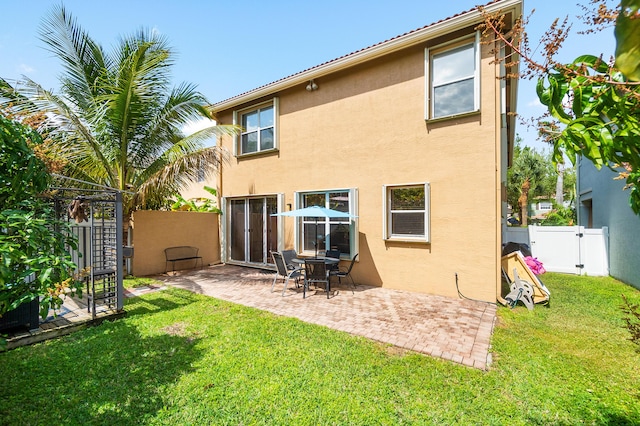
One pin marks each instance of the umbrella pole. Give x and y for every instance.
(316, 235)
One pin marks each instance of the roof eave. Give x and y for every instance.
(444, 27)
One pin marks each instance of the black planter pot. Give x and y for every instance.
(26, 315)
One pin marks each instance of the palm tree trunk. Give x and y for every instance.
(560, 186)
(523, 201)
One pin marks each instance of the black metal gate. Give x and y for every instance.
(95, 218)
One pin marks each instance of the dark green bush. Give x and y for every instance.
(560, 216)
(34, 258)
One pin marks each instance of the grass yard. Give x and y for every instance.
(183, 359)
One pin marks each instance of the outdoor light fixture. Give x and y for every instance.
(312, 86)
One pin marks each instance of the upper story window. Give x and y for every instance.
(453, 79)
(406, 210)
(259, 130)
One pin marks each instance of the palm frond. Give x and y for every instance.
(180, 170)
(213, 131)
(183, 105)
(82, 58)
(118, 122)
(72, 136)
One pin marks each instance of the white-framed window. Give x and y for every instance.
(259, 128)
(453, 79)
(545, 205)
(406, 212)
(328, 233)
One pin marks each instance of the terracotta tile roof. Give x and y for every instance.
(348, 55)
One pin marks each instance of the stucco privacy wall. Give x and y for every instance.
(153, 231)
(364, 128)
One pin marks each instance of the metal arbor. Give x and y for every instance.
(95, 218)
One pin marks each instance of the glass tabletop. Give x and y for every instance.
(327, 260)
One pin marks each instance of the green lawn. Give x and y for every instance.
(183, 359)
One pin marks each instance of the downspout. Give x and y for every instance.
(502, 152)
(219, 201)
(576, 199)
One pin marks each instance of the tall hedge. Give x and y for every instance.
(34, 257)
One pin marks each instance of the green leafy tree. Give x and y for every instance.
(560, 216)
(117, 121)
(593, 104)
(34, 257)
(530, 176)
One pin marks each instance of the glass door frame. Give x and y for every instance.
(270, 229)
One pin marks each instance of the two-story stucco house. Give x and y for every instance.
(412, 136)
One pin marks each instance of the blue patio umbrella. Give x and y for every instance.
(316, 212)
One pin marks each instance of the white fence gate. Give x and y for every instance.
(568, 249)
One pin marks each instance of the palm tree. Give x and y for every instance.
(117, 122)
(526, 177)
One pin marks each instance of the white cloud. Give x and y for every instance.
(194, 126)
(25, 69)
(535, 103)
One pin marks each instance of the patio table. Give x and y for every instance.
(327, 260)
(330, 262)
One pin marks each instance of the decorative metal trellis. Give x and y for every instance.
(95, 218)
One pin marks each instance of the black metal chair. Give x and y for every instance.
(345, 273)
(283, 272)
(335, 254)
(332, 253)
(288, 256)
(315, 271)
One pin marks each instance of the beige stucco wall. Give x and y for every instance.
(153, 231)
(196, 190)
(365, 128)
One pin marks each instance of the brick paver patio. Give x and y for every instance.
(452, 329)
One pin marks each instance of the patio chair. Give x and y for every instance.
(345, 273)
(334, 254)
(283, 272)
(288, 256)
(315, 271)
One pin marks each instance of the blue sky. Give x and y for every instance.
(227, 48)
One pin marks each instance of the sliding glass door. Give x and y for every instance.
(252, 231)
(236, 236)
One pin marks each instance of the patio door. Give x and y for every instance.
(252, 229)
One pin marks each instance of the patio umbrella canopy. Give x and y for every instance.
(315, 212)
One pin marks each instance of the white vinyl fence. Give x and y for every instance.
(568, 249)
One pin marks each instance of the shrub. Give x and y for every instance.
(560, 216)
(197, 204)
(34, 258)
(632, 320)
